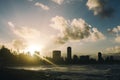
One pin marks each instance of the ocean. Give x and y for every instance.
(79, 72)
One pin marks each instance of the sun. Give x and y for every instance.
(32, 48)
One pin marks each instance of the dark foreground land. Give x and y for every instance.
(13, 74)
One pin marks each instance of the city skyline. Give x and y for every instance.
(88, 26)
(9, 58)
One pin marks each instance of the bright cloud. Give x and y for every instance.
(96, 35)
(115, 49)
(19, 44)
(94, 5)
(99, 8)
(77, 29)
(116, 31)
(117, 39)
(44, 7)
(58, 1)
(26, 36)
(11, 24)
(25, 32)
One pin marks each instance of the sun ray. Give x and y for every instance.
(47, 60)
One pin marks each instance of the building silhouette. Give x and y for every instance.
(100, 58)
(69, 53)
(57, 59)
(8, 58)
(75, 59)
(56, 54)
(109, 59)
(84, 59)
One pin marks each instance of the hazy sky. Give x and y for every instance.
(88, 26)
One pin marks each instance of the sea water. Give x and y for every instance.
(80, 72)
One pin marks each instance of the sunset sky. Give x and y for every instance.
(88, 26)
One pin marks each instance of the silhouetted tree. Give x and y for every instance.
(6, 57)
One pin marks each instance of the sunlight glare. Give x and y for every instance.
(32, 49)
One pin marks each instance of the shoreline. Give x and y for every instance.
(97, 72)
(21, 74)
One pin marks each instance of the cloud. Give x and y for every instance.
(30, 0)
(58, 1)
(11, 24)
(96, 35)
(116, 31)
(77, 29)
(100, 7)
(23, 32)
(19, 44)
(114, 49)
(117, 39)
(26, 32)
(24, 36)
(44, 7)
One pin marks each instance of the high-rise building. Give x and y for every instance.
(69, 53)
(100, 59)
(56, 54)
